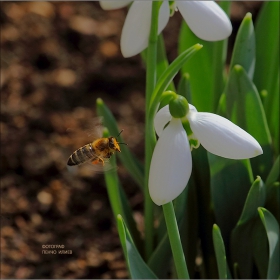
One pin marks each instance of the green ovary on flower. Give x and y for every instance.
(179, 107)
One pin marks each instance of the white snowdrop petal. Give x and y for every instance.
(221, 137)
(113, 4)
(206, 19)
(192, 108)
(162, 117)
(163, 16)
(136, 29)
(171, 164)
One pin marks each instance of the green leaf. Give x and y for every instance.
(112, 184)
(245, 109)
(256, 197)
(184, 87)
(160, 259)
(244, 47)
(118, 199)
(273, 190)
(201, 176)
(272, 229)
(168, 75)
(137, 267)
(162, 62)
(230, 183)
(274, 174)
(128, 160)
(273, 200)
(266, 75)
(189, 227)
(220, 252)
(131, 224)
(246, 238)
(206, 70)
(260, 248)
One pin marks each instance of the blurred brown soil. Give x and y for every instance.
(57, 58)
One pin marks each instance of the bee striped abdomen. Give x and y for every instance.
(82, 155)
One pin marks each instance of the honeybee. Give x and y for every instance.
(97, 152)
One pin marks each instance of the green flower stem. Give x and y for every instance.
(150, 138)
(175, 242)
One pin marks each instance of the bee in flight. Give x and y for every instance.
(97, 152)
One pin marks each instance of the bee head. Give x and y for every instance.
(113, 144)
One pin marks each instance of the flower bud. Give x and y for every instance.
(179, 107)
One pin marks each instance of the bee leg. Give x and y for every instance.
(98, 160)
(95, 161)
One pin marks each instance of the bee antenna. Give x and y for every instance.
(123, 143)
(119, 133)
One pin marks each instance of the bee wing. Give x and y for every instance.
(95, 129)
(99, 167)
(85, 131)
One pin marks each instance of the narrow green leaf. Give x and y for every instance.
(245, 46)
(272, 229)
(199, 69)
(112, 184)
(274, 174)
(273, 200)
(137, 267)
(168, 75)
(245, 237)
(189, 227)
(219, 62)
(260, 248)
(244, 108)
(162, 62)
(118, 199)
(201, 175)
(131, 224)
(255, 198)
(184, 87)
(267, 46)
(159, 261)
(273, 190)
(128, 160)
(241, 248)
(236, 271)
(266, 75)
(230, 183)
(220, 252)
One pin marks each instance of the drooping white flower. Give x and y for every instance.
(171, 163)
(205, 18)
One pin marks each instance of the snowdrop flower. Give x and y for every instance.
(205, 18)
(171, 163)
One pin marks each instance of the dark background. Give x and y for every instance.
(57, 58)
